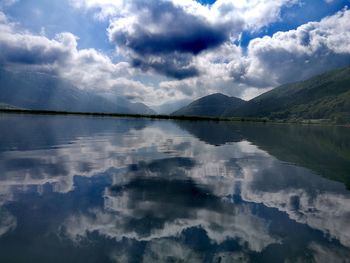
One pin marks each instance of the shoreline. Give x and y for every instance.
(169, 117)
(129, 115)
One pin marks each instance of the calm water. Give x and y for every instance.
(75, 189)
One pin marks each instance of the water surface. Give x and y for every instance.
(79, 189)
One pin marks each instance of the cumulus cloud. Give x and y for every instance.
(199, 70)
(165, 30)
(298, 54)
(38, 50)
(246, 14)
(284, 57)
(86, 68)
(163, 45)
(177, 31)
(185, 49)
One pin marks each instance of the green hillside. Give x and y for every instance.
(326, 96)
(211, 105)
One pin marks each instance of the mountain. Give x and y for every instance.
(212, 105)
(305, 146)
(141, 108)
(170, 107)
(218, 133)
(40, 91)
(134, 107)
(325, 96)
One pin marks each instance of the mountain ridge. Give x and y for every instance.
(322, 97)
(41, 91)
(295, 100)
(218, 103)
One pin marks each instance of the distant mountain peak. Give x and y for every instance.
(211, 105)
(42, 91)
(217, 94)
(322, 97)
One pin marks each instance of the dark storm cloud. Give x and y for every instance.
(177, 66)
(32, 56)
(165, 38)
(25, 48)
(177, 31)
(197, 36)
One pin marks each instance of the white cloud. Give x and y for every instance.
(301, 53)
(106, 8)
(192, 71)
(163, 46)
(271, 61)
(86, 68)
(254, 14)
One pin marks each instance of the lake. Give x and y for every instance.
(84, 189)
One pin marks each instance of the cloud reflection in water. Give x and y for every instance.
(154, 191)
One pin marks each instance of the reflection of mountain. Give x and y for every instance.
(325, 150)
(215, 133)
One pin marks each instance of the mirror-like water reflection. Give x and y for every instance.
(75, 189)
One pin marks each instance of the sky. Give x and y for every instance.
(167, 52)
